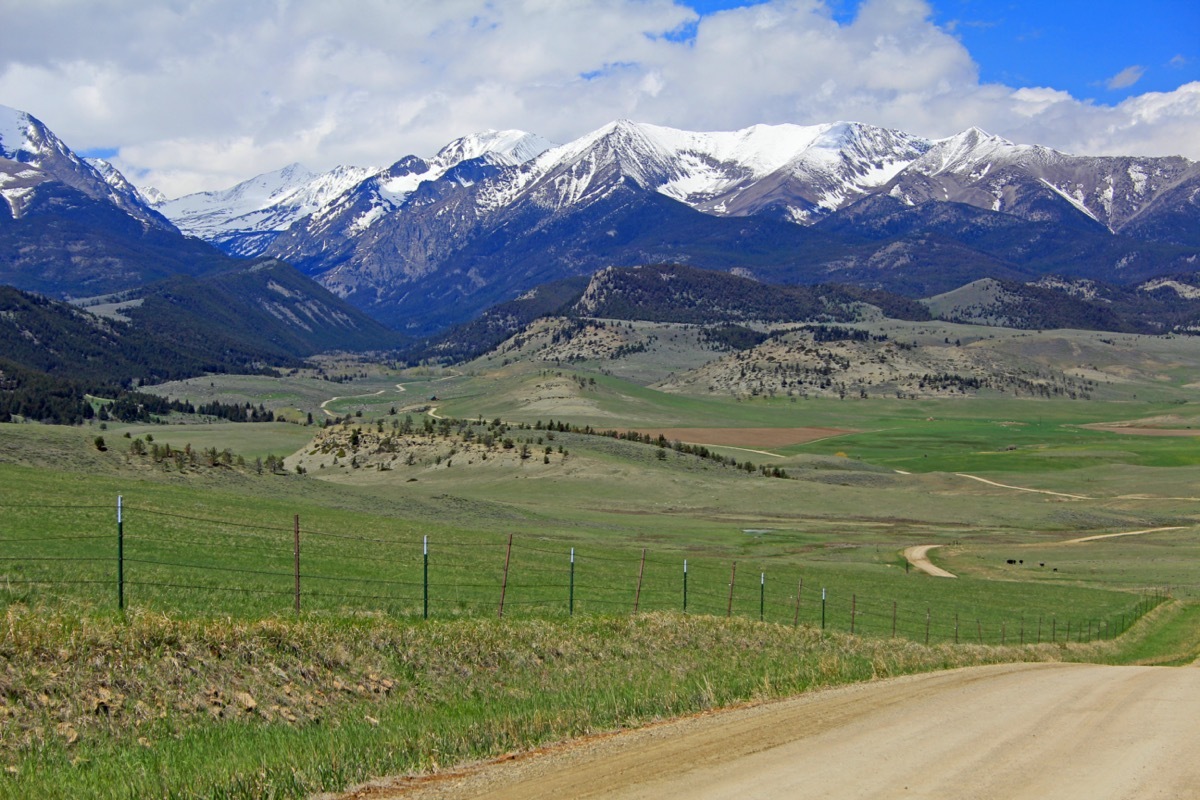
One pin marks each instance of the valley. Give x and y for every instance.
(604, 469)
(398, 469)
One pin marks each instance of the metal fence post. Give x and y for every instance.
(799, 589)
(571, 596)
(425, 578)
(296, 558)
(120, 556)
(822, 608)
(685, 586)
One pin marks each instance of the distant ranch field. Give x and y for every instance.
(749, 437)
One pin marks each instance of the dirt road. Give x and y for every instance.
(1117, 535)
(1011, 731)
(918, 556)
(1022, 488)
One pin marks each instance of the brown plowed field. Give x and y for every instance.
(1014, 731)
(747, 437)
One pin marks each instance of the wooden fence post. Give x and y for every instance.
(732, 579)
(637, 597)
(504, 585)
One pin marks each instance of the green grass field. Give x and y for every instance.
(208, 561)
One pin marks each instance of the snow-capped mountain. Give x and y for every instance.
(989, 172)
(787, 170)
(427, 242)
(623, 194)
(799, 171)
(30, 155)
(245, 219)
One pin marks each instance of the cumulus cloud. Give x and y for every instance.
(199, 95)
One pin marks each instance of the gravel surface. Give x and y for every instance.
(1010, 731)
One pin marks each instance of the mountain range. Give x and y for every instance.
(167, 305)
(425, 244)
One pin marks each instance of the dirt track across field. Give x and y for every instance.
(1022, 488)
(1135, 430)
(918, 556)
(1100, 536)
(1015, 731)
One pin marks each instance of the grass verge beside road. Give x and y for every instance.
(159, 706)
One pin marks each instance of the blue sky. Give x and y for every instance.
(200, 95)
(1077, 46)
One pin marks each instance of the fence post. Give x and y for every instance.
(685, 586)
(504, 585)
(425, 579)
(637, 597)
(1053, 630)
(571, 596)
(296, 557)
(120, 556)
(926, 626)
(1003, 634)
(799, 588)
(956, 628)
(979, 630)
(822, 608)
(762, 596)
(732, 579)
(1068, 630)
(853, 610)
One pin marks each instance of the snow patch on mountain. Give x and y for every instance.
(510, 147)
(1075, 199)
(153, 197)
(15, 127)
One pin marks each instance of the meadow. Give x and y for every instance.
(404, 564)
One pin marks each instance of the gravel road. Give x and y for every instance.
(1010, 731)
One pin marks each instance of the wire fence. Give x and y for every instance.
(168, 560)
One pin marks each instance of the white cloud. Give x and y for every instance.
(200, 95)
(1126, 77)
